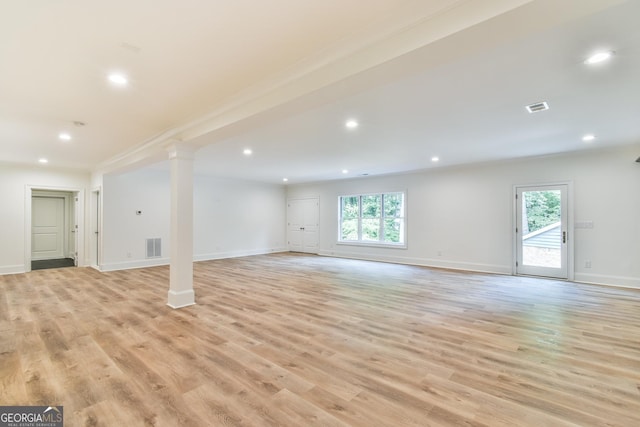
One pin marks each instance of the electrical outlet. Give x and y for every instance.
(587, 264)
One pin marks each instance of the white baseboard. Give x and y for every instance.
(595, 279)
(603, 279)
(424, 262)
(128, 265)
(181, 299)
(154, 262)
(237, 254)
(12, 269)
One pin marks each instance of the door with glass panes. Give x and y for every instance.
(542, 233)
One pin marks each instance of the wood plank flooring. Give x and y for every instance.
(298, 340)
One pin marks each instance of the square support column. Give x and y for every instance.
(181, 266)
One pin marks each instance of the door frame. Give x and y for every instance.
(95, 228)
(77, 193)
(570, 225)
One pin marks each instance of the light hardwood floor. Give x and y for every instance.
(298, 340)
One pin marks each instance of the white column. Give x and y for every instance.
(181, 274)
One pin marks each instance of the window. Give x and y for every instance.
(373, 219)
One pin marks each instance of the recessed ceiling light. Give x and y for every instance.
(285, 179)
(118, 79)
(345, 171)
(588, 138)
(599, 57)
(435, 159)
(43, 160)
(247, 151)
(65, 136)
(351, 124)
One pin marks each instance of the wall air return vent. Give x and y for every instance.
(537, 107)
(154, 248)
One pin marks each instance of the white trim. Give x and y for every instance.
(12, 269)
(423, 262)
(372, 244)
(590, 279)
(236, 254)
(156, 262)
(606, 280)
(92, 213)
(128, 265)
(181, 299)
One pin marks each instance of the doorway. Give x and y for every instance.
(541, 234)
(53, 227)
(302, 225)
(54, 237)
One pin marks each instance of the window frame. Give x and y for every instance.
(382, 218)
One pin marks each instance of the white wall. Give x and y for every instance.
(466, 213)
(237, 218)
(124, 233)
(14, 179)
(231, 218)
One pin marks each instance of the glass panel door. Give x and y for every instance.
(541, 231)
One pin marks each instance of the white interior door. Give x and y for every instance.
(47, 227)
(542, 231)
(303, 225)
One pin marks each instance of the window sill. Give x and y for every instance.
(374, 245)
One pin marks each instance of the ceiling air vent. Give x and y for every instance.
(538, 106)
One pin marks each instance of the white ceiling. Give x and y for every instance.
(440, 78)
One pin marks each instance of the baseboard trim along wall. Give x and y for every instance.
(155, 262)
(594, 279)
(237, 254)
(202, 257)
(12, 269)
(424, 262)
(601, 279)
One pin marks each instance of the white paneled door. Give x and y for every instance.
(47, 227)
(302, 225)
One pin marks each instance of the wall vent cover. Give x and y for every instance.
(537, 107)
(154, 247)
